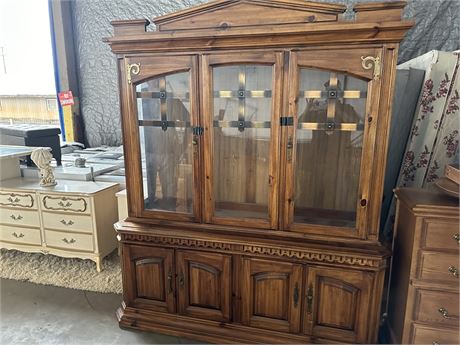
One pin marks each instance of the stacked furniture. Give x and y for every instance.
(424, 292)
(263, 126)
(72, 219)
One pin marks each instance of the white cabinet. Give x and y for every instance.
(71, 219)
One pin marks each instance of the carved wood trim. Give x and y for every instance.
(300, 254)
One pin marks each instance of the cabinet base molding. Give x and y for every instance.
(205, 330)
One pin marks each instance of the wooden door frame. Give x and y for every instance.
(274, 58)
(369, 141)
(132, 150)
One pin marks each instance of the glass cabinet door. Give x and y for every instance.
(166, 118)
(325, 149)
(242, 109)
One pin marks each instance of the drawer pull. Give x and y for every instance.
(444, 313)
(456, 237)
(67, 204)
(65, 240)
(10, 199)
(453, 271)
(18, 236)
(70, 222)
(18, 217)
(435, 343)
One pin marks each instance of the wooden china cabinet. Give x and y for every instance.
(255, 135)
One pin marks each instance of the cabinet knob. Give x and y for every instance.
(454, 271)
(456, 237)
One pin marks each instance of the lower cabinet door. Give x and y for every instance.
(149, 281)
(271, 294)
(204, 285)
(337, 304)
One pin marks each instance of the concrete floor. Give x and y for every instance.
(38, 314)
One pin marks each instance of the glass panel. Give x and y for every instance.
(163, 107)
(331, 113)
(242, 121)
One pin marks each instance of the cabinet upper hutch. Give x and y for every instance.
(255, 136)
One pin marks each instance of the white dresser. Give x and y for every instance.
(72, 219)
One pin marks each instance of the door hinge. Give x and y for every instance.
(198, 131)
(286, 121)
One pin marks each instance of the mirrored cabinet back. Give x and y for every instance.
(255, 137)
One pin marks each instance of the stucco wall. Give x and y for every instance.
(438, 27)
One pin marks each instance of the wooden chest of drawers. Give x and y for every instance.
(424, 289)
(72, 219)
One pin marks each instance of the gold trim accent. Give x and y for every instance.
(369, 61)
(16, 201)
(66, 206)
(134, 68)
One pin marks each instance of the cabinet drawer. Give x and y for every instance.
(77, 204)
(438, 266)
(67, 240)
(436, 307)
(439, 235)
(20, 235)
(20, 200)
(19, 217)
(68, 222)
(421, 334)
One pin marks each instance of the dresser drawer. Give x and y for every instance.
(436, 307)
(68, 222)
(19, 217)
(438, 266)
(68, 240)
(77, 204)
(20, 235)
(421, 334)
(19, 200)
(438, 235)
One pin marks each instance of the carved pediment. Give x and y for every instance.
(225, 14)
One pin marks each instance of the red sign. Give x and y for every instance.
(66, 98)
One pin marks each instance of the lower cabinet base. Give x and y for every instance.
(206, 330)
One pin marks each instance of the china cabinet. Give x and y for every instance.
(255, 137)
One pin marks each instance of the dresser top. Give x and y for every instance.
(425, 201)
(63, 186)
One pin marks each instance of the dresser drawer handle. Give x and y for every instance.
(67, 204)
(70, 222)
(65, 240)
(18, 217)
(435, 343)
(445, 313)
(10, 199)
(453, 271)
(18, 236)
(456, 237)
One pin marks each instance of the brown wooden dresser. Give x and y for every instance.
(424, 288)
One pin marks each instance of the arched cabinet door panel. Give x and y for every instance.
(271, 295)
(163, 157)
(337, 304)
(204, 285)
(329, 142)
(150, 278)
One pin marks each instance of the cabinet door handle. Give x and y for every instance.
(18, 236)
(70, 222)
(454, 271)
(65, 240)
(310, 300)
(181, 279)
(289, 147)
(456, 237)
(296, 295)
(170, 276)
(18, 217)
